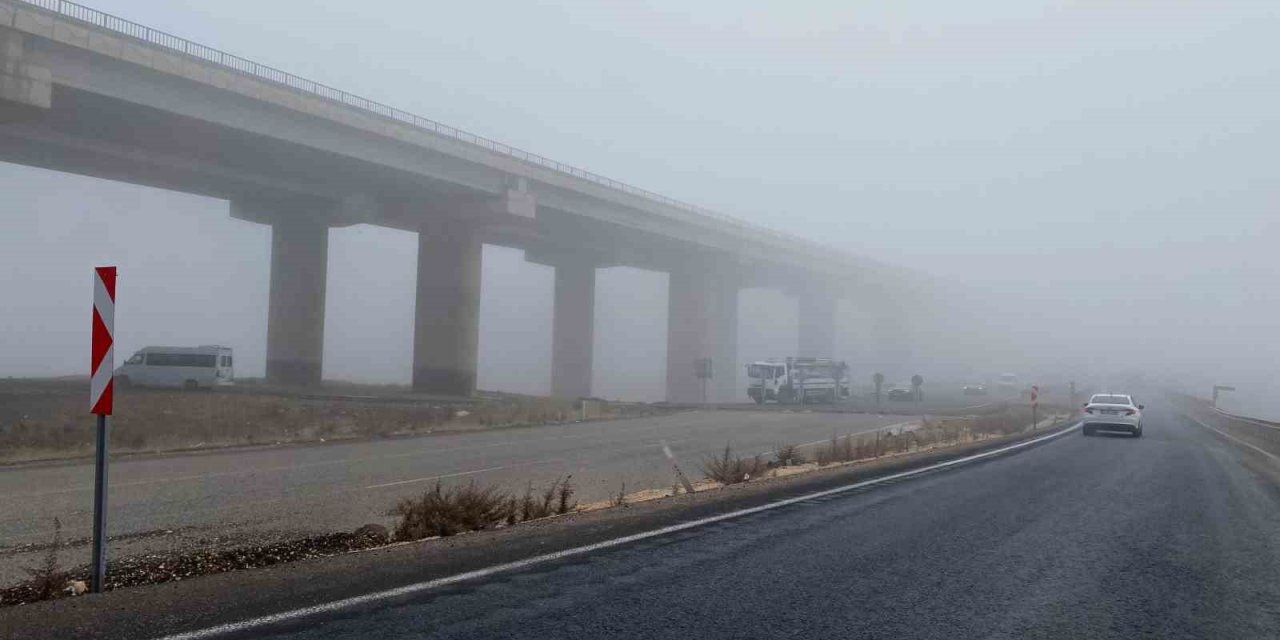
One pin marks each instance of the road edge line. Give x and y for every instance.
(336, 605)
(1272, 456)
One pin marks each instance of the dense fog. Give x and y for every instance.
(1089, 188)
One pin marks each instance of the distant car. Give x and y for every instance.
(975, 390)
(901, 394)
(1112, 412)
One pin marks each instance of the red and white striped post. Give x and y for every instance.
(101, 370)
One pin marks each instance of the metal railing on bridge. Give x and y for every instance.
(180, 45)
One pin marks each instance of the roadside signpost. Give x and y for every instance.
(1035, 404)
(101, 367)
(1216, 389)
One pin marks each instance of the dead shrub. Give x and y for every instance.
(532, 508)
(556, 499)
(787, 454)
(49, 579)
(566, 501)
(441, 512)
(728, 469)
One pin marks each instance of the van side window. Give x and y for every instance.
(157, 359)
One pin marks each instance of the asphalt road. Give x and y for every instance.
(269, 493)
(1174, 535)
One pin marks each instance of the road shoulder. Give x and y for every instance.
(180, 606)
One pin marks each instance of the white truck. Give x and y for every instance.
(798, 380)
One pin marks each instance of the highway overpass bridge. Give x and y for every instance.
(85, 92)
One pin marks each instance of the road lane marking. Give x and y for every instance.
(853, 433)
(463, 473)
(1264, 452)
(336, 605)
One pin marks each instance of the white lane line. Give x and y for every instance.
(463, 473)
(1224, 434)
(336, 605)
(855, 433)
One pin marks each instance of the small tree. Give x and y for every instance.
(878, 380)
(917, 381)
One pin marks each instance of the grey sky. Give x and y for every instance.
(1110, 166)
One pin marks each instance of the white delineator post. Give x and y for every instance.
(101, 370)
(1035, 404)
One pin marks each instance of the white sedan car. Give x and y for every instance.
(1112, 412)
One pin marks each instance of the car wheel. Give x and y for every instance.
(1137, 433)
(1086, 431)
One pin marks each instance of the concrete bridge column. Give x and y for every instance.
(702, 322)
(295, 312)
(446, 331)
(573, 329)
(817, 322)
(892, 341)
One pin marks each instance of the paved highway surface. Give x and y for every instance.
(268, 493)
(1174, 535)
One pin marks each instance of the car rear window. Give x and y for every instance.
(1110, 399)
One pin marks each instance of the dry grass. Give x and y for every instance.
(49, 579)
(786, 455)
(446, 512)
(729, 469)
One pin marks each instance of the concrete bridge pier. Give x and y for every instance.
(299, 271)
(702, 322)
(817, 323)
(446, 327)
(295, 312)
(573, 329)
(892, 339)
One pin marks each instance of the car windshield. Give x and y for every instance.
(656, 319)
(1112, 399)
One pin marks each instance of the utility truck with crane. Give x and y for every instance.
(798, 380)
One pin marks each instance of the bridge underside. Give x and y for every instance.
(75, 111)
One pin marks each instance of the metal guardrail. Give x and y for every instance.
(1270, 424)
(251, 68)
